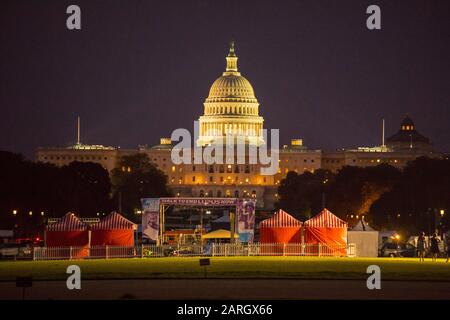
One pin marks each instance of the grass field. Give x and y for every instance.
(232, 267)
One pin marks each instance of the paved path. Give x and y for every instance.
(229, 289)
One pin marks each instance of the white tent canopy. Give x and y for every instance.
(362, 226)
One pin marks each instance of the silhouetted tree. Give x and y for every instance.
(302, 195)
(85, 188)
(134, 178)
(354, 189)
(36, 187)
(414, 203)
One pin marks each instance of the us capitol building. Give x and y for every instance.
(232, 108)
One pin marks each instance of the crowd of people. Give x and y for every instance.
(432, 245)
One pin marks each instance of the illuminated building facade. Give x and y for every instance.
(231, 108)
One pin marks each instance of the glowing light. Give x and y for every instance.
(14, 212)
(442, 212)
(30, 213)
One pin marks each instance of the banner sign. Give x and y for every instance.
(246, 220)
(150, 218)
(206, 202)
(245, 213)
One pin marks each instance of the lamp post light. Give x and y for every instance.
(323, 192)
(441, 224)
(14, 212)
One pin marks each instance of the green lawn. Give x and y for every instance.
(232, 267)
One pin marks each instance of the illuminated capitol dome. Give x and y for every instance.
(231, 108)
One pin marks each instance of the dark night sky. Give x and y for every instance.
(139, 69)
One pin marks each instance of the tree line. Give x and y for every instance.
(414, 199)
(32, 191)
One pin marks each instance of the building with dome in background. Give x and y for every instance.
(408, 138)
(231, 108)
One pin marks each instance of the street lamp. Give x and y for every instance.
(14, 212)
(30, 213)
(42, 213)
(442, 212)
(323, 193)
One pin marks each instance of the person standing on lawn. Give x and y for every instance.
(448, 247)
(434, 246)
(421, 246)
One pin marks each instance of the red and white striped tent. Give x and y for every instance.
(113, 230)
(67, 232)
(281, 228)
(326, 229)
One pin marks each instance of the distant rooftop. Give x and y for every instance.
(80, 146)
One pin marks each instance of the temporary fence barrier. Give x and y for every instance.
(218, 250)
